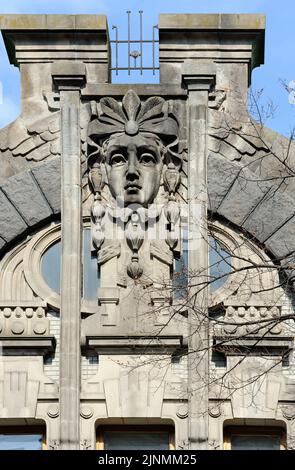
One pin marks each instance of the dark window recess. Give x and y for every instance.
(51, 261)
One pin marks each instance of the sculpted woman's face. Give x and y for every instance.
(134, 167)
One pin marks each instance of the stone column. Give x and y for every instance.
(198, 79)
(70, 78)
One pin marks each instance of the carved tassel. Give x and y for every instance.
(171, 210)
(135, 238)
(171, 179)
(98, 213)
(172, 214)
(134, 268)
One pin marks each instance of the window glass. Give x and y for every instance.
(91, 272)
(219, 268)
(219, 264)
(180, 276)
(255, 442)
(132, 440)
(21, 441)
(50, 267)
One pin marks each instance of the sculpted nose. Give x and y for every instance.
(132, 170)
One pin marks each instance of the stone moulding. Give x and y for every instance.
(135, 344)
(33, 344)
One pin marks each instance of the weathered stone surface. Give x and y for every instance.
(2, 243)
(282, 243)
(212, 21)
(35, 42)
(246, 192)
(274, 210)
(265, 152)
(240, 189)
(27, 198)
(185, 37)
(47, 22)
(48, 177)
(115, 90)
(11, 223)
(221, 174)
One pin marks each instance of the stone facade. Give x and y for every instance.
(154, 172)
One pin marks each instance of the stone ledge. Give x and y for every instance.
(97, 90)
(179, 34)
(268, 345)
(134, 344)
(206, 21)
(53, 22)
(49, 38)
(37, 346)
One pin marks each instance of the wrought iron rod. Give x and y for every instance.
(128, 13)
(134, 41)
(136, 53)
(117, 47)
(141, 51)
(136, 68)
(153, 49)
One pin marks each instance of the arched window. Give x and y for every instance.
(51, 262)
(219, 264)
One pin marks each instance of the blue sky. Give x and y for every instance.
(279, 54)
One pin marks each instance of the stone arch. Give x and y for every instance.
(262, 209)
(29, 199)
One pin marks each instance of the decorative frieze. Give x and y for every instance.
(244, 321)
(25, 320)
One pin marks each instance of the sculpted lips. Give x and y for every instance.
(132, 186)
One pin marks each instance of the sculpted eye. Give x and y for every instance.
(117, 159)
(147, 159)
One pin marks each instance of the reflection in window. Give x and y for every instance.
(21, 441)
(91, 273)
(135, 438)
(180, 276)
(219, 268)
(219, 264)
(254, 438)
(50, 267)
(255, 443)
(135, 441)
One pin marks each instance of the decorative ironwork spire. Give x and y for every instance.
(135, 54)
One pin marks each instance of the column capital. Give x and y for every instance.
(198, 77)
(69, 76)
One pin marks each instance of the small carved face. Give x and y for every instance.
(134, 167)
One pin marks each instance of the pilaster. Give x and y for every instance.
(69, 81)
(199, 81)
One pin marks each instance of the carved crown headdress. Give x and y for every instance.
(132, 117)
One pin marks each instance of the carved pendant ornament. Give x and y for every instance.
(132, 153)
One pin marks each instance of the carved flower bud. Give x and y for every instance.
(98, 210)
(97, 236)
(171, 178)
(134, 233)
(95, 177)
(171, 240)
(98, 213)
(172, 212)
(134, 268)
(131, 128)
